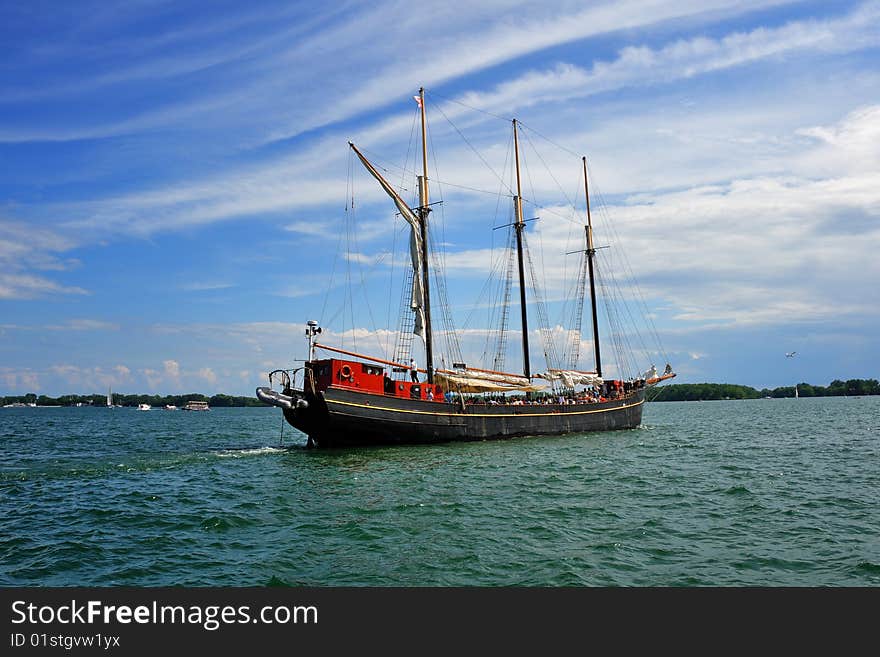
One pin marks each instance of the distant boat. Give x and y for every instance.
(196, 406)
(170, 407)
(144, 407)
(109, 398)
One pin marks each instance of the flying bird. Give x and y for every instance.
(790, 354)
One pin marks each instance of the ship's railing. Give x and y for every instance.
(286, 378)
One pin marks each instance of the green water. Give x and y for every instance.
(776, 492)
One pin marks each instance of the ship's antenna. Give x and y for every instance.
(312, 330)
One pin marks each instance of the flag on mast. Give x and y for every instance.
(418, 100)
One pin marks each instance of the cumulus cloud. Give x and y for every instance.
(20, 381)
(208, 375)
(172, 368)
(80, 379)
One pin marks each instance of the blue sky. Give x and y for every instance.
(174, 177)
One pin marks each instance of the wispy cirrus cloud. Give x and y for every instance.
(84, 325)
(26, 250)
(684, 58)
(480, 41)
(267, 188)
(30, 286)
(205, 286)
(485, 43)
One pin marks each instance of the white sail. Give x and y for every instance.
(571, 378)
(477, 381)
(417, 299)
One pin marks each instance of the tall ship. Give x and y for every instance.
(343, 397)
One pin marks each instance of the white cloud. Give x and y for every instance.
(30, 286)
(642, 65)
(88, 379)
(483, 44)
(154, 378)
(25, 249)
(205, 286)
(267, 188)
(761, 250)
(172, 369)
(208, 375)
(84, 325)
(19, 382)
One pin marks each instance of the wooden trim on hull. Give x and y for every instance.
(345, 417)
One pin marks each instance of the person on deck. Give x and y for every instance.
(413, 370)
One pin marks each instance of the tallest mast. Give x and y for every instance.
(520, 226)
(423, 228)
(591, 253)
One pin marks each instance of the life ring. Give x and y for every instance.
(345, 372)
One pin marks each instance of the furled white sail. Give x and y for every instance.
(417, 299)
(477, 381)
(571, 378)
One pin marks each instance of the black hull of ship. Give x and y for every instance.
(340, 417)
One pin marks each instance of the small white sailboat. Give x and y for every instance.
(144, 407)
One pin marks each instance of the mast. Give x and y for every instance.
(520, 226)
(423, 227)
(591, 253)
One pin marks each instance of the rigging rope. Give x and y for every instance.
(617, 311)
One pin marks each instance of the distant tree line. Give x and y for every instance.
(216, 401)
(672, 392)
(712, 391)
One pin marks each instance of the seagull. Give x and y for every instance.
(790, 354)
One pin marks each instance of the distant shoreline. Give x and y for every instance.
(156, 401)
(721, 391)
(668, 392)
